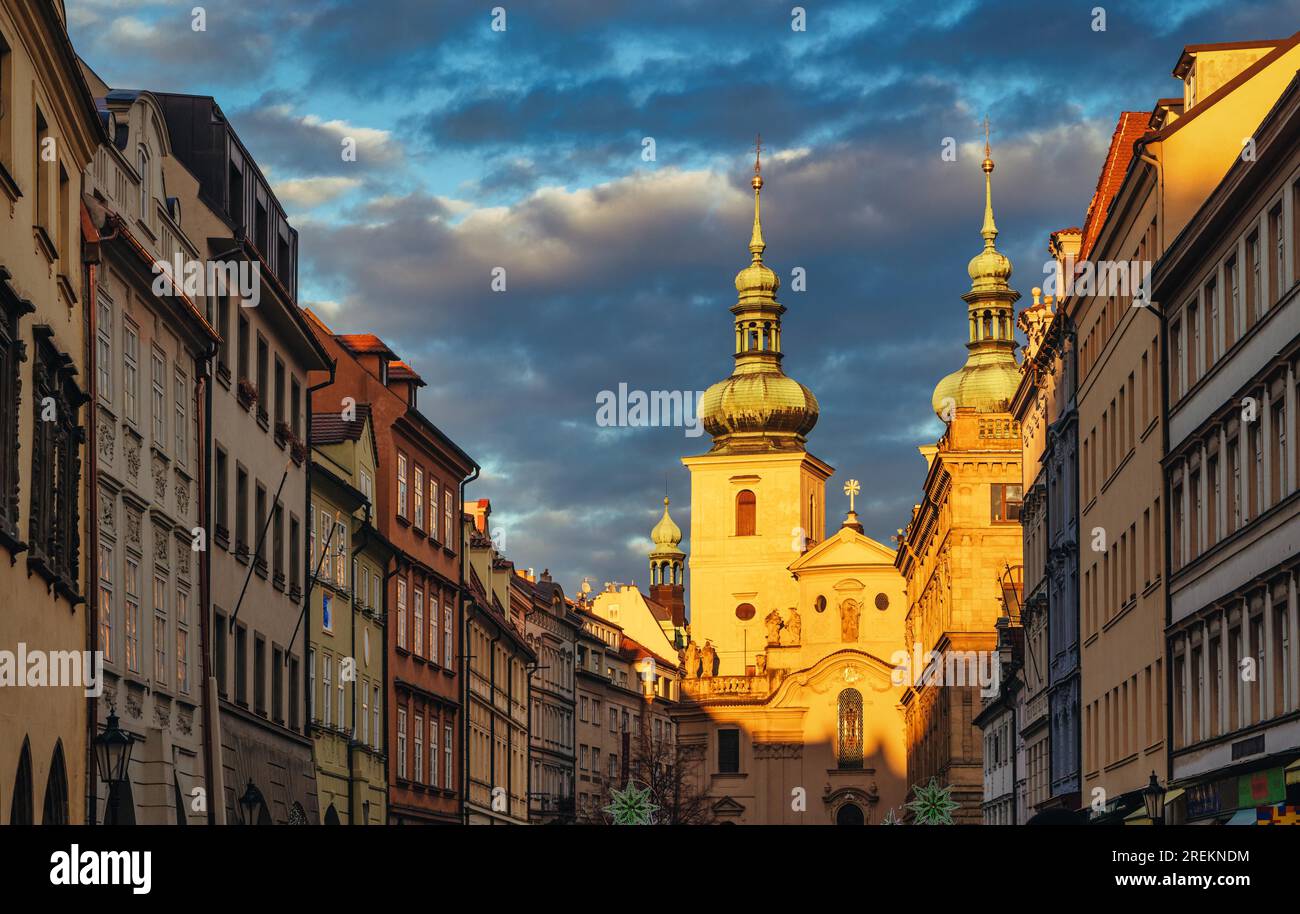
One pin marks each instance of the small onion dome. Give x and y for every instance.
(666, 534)
(986, 385)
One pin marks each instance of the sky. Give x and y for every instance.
(522, 152)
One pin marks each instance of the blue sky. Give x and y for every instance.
(522, 149)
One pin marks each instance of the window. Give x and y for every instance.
(446, 757)
(104, 348)
(130, 371)
(279, 392)
(433, 508)
(219, 638)
(295, 536)
(293, 693)
(341, 693)
(375, 708)
(1006, 501)
(365, 713)
(223, 328)
(327, 610)
(259, 518)
(1253, 289)
(311, 682)
(134, 617)
(401, 612)
(419, 749)
(181, 396)
(401, 485)
(418, 515)
(728, 751)
(446, 635)
(277, 685)
(448, 531)
(745, 513)
(340, 554)
(183, 641)
(417, 642)
(159, 362)
(263, 377)
(295, 408)
(222, 497)
(259, 674)
(241, 356)
(1230, 273)
(12, 354)
(401, 743)
(54, 515)
(326, 542)
(106, 599)
(241, 665)
(1277, 269)
(433, 751)
(327, 680)
(433, 625)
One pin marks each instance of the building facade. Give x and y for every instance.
(497, 667)
(49, 131)
(1157, 175)
(551, 629)
(347, 560)
(419, 477)
(152, 355)
(962, 547)
(259, 471)
(1232, 319)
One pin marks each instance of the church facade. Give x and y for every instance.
(789, 710)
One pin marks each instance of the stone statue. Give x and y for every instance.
(692, 659)
(793, 627)
(774, 625)
(760, 664)
(710, 657)
(849, 611)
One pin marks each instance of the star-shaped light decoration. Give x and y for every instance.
(891, 818)
(631, 806)
(933, 805)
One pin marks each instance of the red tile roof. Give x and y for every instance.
(403, 372)
(332, 428)
(1132, 125)
(364, 344)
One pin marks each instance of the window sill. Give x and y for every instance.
(44, 243)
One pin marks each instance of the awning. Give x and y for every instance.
(1139, 816)
(1293, 772)
(1242, 817)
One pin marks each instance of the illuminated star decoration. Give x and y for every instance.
(851, 489)
(891, 818)
(631, 806)
(933, 805)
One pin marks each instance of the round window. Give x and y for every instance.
(882, 602)
(745, 612)
(820, 604)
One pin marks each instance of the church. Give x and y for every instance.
(789, 713)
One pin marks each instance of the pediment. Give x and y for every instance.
(845, 549)
(728, 808)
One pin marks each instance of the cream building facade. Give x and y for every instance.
(1187, 147)
(789, 710)
(49, 130)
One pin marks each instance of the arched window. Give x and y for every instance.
(56, 790)
(745, 513)
(20, 810)
(850, 729)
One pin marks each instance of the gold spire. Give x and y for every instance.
(990, 229)
(756, 243)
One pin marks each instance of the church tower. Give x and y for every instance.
(667, 571)
(757, 496)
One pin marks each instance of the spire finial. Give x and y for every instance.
(990, 228)
(756, 242)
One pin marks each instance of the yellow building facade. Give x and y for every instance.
(789, 713)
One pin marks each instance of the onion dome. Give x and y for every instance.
(666, 534)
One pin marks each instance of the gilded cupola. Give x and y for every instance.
(988, 380)
(758, 408)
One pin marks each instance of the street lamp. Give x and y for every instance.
(113, 756)
(1153, 795)
(250, 801)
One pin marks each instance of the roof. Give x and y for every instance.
(364, 344)
(1131, 126)
(332, 428)
(1191, 50)
(399, 370)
